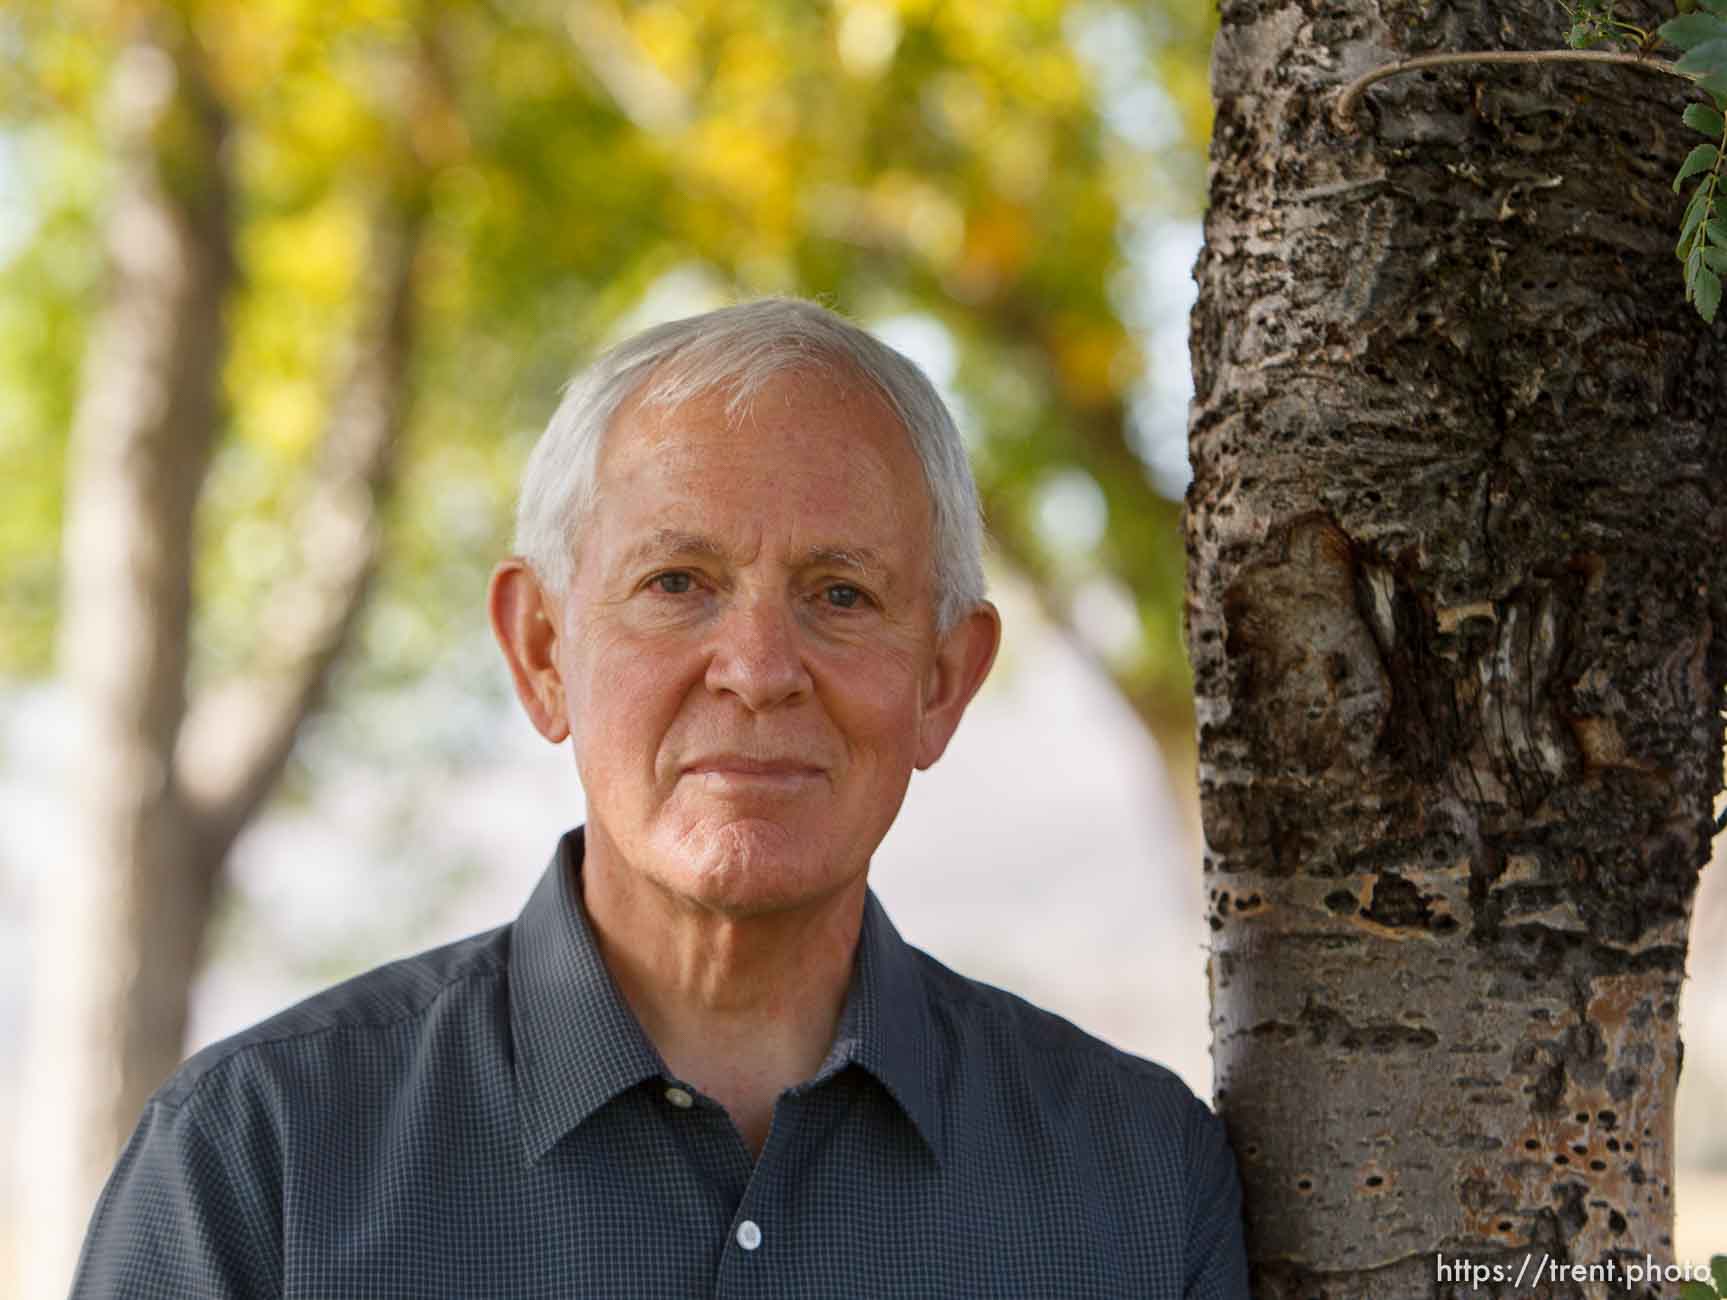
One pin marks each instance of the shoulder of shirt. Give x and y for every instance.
(385, 996)
(1031, 1028)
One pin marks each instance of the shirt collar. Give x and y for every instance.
(885, 1027)
(578, 1045)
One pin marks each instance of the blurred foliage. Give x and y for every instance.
(973, 164)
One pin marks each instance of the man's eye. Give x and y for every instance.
(842, 595)
(672, 584)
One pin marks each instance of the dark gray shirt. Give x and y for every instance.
(488, 1119)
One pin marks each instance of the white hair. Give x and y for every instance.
(740, 348)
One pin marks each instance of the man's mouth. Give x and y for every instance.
(737, 772)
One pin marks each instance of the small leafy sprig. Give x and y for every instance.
(1702, 245)
(1702, 1290)
(1594, 22)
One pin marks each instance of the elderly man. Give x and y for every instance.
(701, 1061)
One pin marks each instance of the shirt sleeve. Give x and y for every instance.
(187, 1213)
(1216, 1251)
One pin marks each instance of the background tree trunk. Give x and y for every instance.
(120, 921)
(1456, 580)
(166, 784)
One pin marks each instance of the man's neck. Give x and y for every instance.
(741, 1007)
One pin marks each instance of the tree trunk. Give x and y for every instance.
(119, 923)
(165, 785)
(1456, 542)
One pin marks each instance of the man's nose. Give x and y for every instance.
(758, 654)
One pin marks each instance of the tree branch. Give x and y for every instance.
(238, 737)
(651, 100)
(1167, 722)
(1343, 113)
(1102, 449)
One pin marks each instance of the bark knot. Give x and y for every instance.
(1310, 670)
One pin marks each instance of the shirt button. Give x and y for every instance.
(749, 1236)
(679, 1098)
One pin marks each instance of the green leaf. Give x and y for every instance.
(1715, 6)
(1700, 117)
(1715, 259)
(1718, 1270)
(1705, 59)
(1692, 30)
(1708, 293)
(1717, 231)
(1700, 159)
(1695, 211)
(1695, 1291)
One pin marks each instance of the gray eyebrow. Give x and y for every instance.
(863, 559)
(675, 541)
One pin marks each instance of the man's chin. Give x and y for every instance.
(749, 865)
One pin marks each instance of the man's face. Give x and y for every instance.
(747, 657)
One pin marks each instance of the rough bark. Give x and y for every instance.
(1456, 575)
(164, 785)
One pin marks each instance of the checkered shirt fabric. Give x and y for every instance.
(488, 1119)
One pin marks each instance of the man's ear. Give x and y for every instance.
(963, 659)
(525, 621)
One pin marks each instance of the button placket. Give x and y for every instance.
(761, 1194)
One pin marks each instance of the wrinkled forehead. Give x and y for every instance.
(801, 430)
(732, 389)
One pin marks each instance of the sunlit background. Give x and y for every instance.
(1008, 193)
